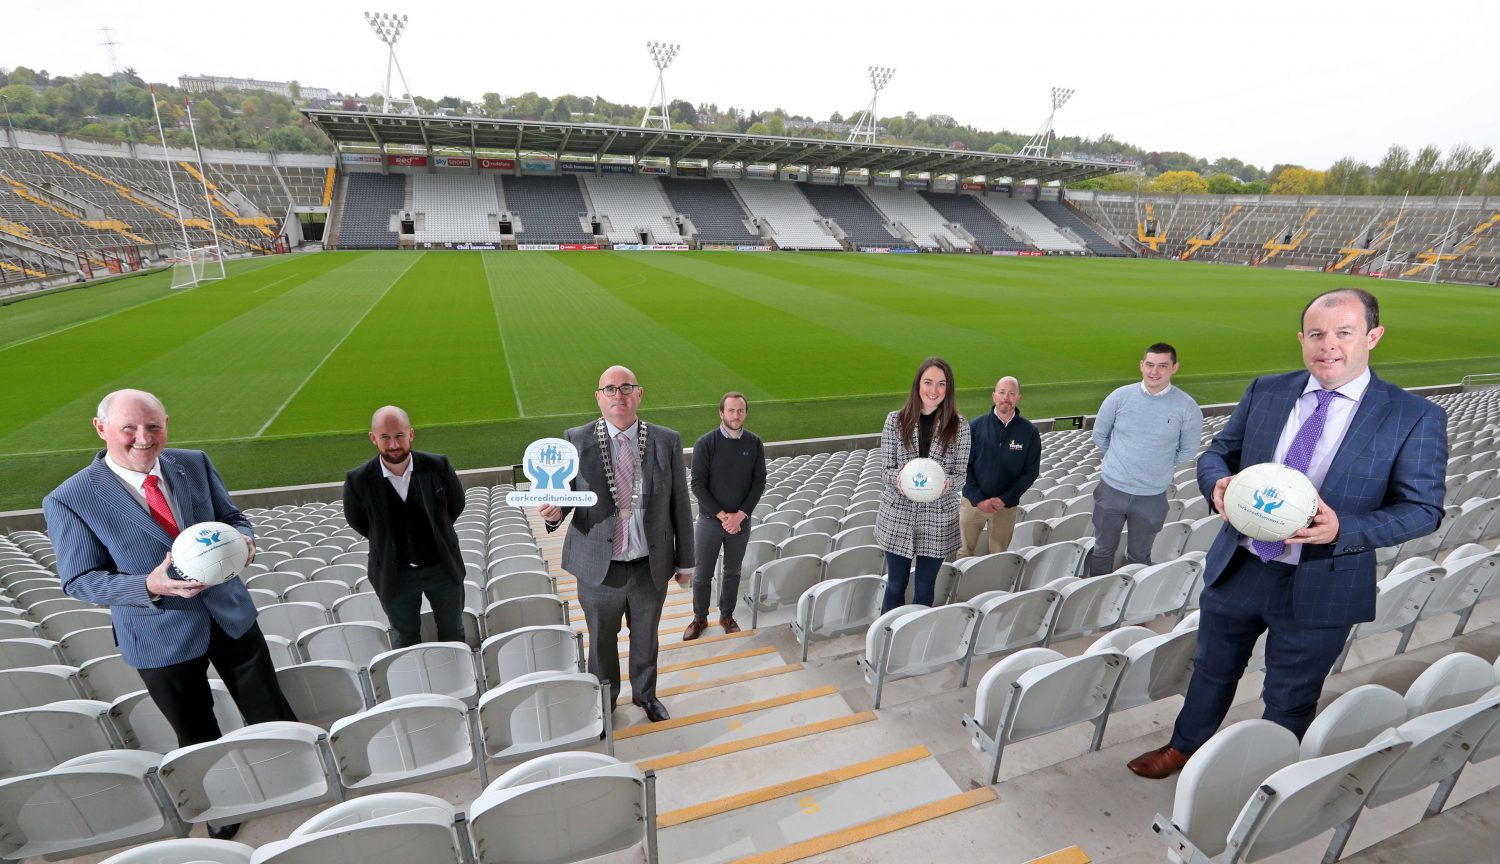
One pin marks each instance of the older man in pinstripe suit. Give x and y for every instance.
(1377, 456)
(112, 526)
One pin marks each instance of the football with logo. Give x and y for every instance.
(1270, 501)
(922, 480)
(209, 552)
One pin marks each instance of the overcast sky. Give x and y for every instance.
(1299, 82)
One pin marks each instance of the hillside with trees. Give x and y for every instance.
(118, 108)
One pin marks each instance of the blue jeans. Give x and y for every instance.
(898, 570)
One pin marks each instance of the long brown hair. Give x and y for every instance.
(945, 427)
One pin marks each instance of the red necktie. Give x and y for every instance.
(157, 504)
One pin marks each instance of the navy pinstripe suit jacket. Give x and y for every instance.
(106, 543)
(1386, 485)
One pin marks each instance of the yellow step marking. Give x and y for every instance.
(723, 713)
(689, 756)
(1070, 855)
(728, 679)
(874, 828)
(790, 787)
(721, 658)
(702, 640)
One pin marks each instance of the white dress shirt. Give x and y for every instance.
(1335, 426)
(400, 482)
(635, 544)
(135, 484)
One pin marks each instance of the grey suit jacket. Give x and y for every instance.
(664, 492)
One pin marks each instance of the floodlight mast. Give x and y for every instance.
(662, 55)
(864, 130)
(388, 27)
(1037, 146)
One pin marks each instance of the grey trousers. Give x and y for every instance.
(708, 537)
(1114, 509)
(637, 601)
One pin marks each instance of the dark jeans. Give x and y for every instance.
(181, 690)
(898, 570)
(708, 537)
(404, 605)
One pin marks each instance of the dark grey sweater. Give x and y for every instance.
(729, 474)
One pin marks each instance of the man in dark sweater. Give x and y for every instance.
(729, 475)
(1005, 457)
(405, 502)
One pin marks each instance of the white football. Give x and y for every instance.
(210, 552)
(1270, 501)
(922, 480)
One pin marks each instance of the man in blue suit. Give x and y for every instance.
(112, 526)
(1377, 456)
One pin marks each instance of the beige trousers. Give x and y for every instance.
(971, 520)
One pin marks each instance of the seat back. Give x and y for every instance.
(356, 642)
(994, 688)
(983, 573)
(779, 583)
(536, 610)
(407, 739)
(88, 804)
(35, 686)
(1006, 622)
(1086, 605)
(186, 850)
(551, 648)
(1157, 667)
(540, 713)
(835, 607)
(445, 668)
(1160, 589)
(522, 583)
(1399, 599)
(572, 818)
(928, 639)
(255, 771)
(853, 561)
(1441, 742)
(109, 678)
(290, 620)
(1065, 692)
(38, 739)
(322, 691)
(1223, 774)
(1049, 562)
(1451, 680)
(1315, 795)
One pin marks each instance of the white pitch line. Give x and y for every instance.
(269, 284)
(504, 348)
(355, 326)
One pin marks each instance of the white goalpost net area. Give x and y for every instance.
(195, 266)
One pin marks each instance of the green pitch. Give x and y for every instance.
(276, 370)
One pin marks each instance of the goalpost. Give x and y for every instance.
(204, 264)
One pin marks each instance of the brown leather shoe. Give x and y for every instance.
(1160, 763)
(729, 625)
(694, 629)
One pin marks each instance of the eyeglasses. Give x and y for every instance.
(622, 390)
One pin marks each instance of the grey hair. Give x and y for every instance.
(102, 412)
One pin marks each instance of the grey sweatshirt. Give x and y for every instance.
(1144, 437)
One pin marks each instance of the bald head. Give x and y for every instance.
(133, 426)
(390, 432)
(619, 407)
(1006, 397)
(122, 397)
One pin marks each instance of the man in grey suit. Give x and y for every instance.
(112, 525)
(625, 549)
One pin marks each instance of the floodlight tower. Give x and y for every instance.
(389, 27)
(864, 130)
(1039, 142)
(662, 54)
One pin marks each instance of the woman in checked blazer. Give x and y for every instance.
(928, 426)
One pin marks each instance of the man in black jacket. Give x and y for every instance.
(405, 503)
(1004, 459)
(729, 475)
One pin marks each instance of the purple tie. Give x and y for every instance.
(1299, 456)
(624, 459)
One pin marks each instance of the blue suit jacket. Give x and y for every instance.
(106, 543)
(1385, 483)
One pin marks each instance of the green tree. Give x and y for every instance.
(1348, 176)
(22, 75)
(1224, 184)
(1180, 183)
(1393, 174)
(20, 98)
(1426, 172)
(1464, 168)
(999, 147)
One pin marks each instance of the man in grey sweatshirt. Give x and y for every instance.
(1144, 431)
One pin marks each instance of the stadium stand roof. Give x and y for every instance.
(353, 128)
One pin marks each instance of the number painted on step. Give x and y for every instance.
(808, 805)
(734, 724)
(692, 675)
